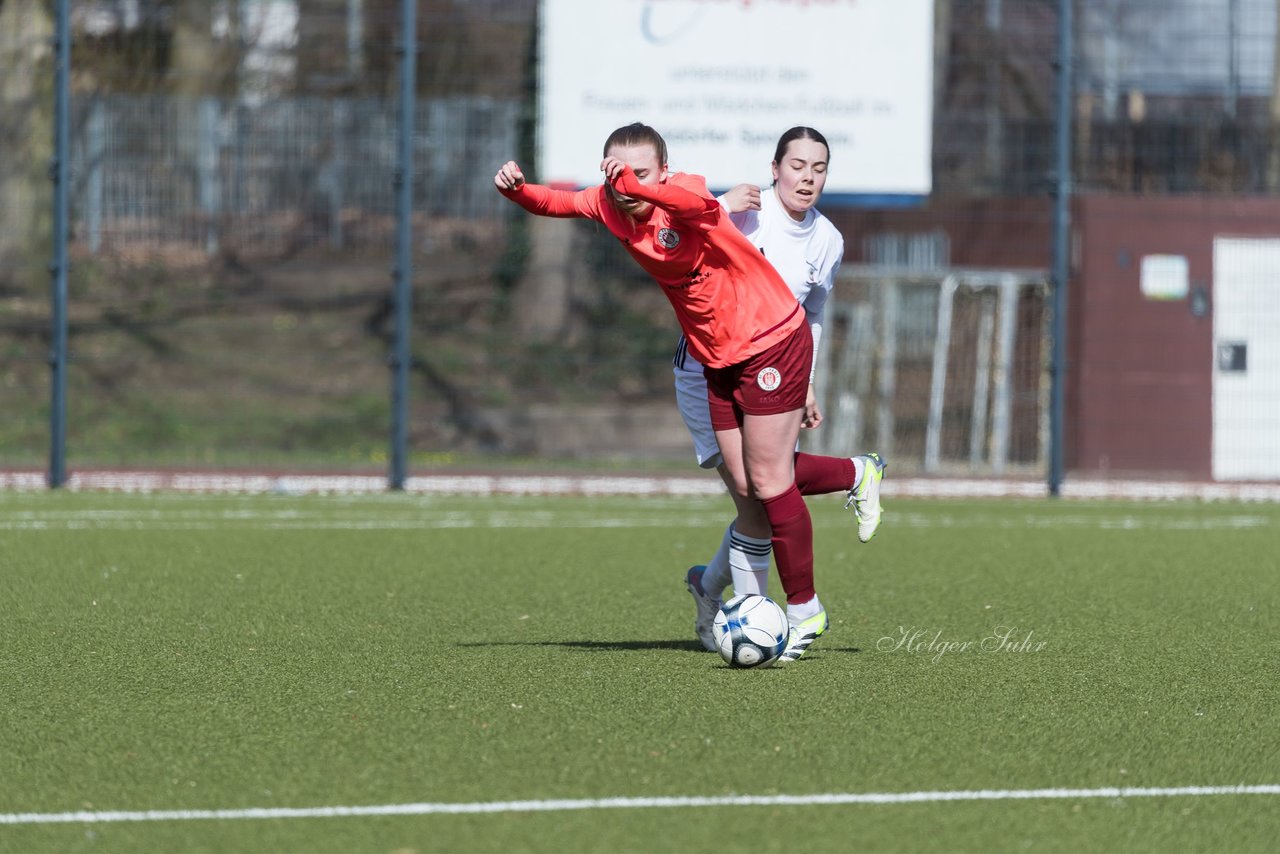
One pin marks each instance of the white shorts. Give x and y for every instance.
(691, 397)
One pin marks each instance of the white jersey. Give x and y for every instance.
(807, 254)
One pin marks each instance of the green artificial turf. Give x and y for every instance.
(176, 652)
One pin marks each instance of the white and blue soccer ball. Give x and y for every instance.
(750, 631)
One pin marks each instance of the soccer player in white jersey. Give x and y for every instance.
(806, 249)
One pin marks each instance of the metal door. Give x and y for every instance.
(1246, 371)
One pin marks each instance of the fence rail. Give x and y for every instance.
(167, 171)
(232, 228)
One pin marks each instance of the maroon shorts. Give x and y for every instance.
(775, 380)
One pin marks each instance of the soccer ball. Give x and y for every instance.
(750, 631)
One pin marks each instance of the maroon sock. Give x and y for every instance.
(792, 543)
(819, 475)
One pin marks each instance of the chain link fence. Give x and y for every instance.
(233, 222)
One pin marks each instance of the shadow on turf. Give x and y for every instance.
(614, 646)
(601, 646)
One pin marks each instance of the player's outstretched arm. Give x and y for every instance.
(537, 199)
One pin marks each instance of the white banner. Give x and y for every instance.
(721, 80)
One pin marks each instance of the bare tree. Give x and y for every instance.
(26, 134)
(202, 62)
(1273, 114)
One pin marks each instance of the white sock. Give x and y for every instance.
(800, 611)
(749, 563)
(716, 577)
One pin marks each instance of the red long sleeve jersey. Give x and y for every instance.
(729, 300)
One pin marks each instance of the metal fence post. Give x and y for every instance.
(58, 265)
(96, 149)
(210, 143)
(1061, 247)
(404, 235)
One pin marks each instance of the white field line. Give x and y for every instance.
(631, 803)
(1084, 489)
(416, 519)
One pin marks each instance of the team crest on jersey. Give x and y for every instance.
(668, 238)
(769, 379)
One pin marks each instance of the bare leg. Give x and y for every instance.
(768, 452)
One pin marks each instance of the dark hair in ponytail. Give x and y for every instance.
(799, 132)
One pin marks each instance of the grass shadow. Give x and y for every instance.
(624, 645)
(602, 646)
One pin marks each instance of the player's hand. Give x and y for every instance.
(744, 197)
(612, 168)
(812, 415)
(509, 177)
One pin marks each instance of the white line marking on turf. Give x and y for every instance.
(533, 484)
(633, 803)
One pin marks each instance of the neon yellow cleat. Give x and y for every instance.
(803, 634)
(865, 496)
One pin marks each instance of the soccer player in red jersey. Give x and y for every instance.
(742, 323)
(806, 249)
